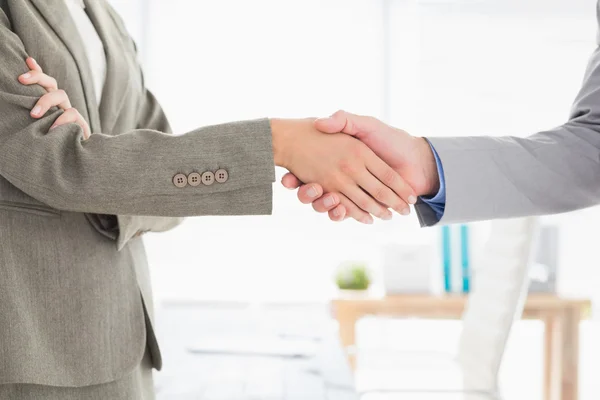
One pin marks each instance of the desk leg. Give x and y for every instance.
(561, 369)
(347, 321)
(552, 357)
(570, 355)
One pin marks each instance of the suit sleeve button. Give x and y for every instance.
(208, 178)
(221, 176)
(194, 179)
(180, 180)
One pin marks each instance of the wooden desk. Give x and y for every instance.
(561, 318)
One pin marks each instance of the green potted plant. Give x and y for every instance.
(353, 276)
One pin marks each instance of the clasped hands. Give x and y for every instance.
(354, 166)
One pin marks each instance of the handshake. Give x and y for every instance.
(354, 166)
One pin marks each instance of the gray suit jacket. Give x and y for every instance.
(550, 172)
(74, 310)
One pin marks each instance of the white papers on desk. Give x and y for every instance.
(255, 347)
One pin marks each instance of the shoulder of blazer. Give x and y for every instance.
(6, 12)
(120, 24)
(116, 18)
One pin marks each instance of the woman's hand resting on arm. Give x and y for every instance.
(54, 98)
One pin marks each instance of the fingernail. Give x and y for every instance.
(26, 75)
(328, 201)
(36, 110)
(406, 211)
(386, 217)
(34, 61)
(53, 126)
(311, 192)
(336, 212)
(367, 220)
(412, 199)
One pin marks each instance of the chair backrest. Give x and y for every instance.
(499, 291)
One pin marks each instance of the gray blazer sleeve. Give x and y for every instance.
(550, 172)
(153, 117)
(130, 173)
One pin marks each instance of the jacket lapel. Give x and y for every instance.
(118, 73)
(57, 15)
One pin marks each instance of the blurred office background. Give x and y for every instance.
(432, 67)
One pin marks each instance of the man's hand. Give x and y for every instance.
(341, 164)
(410, 156)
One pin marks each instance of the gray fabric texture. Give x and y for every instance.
(138, 385)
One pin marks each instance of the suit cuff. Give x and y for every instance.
(437, 203)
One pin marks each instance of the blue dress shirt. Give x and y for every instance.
(437, 202)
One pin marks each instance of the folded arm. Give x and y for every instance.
(131, 173)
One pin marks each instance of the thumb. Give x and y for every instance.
(332, 124)
(351, 124)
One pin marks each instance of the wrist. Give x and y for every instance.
(429, 168)
(280, 135)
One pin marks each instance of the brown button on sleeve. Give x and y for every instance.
(221, 176)
(194, 179)
(208, 178)
(180, 180)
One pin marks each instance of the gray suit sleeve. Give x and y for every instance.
(550, 172)
(153, 117)
(131, 173)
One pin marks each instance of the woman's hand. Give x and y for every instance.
(312, 193)
(54, 98)
(341, 164)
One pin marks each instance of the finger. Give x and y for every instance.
(382, 194)
(57, 98)
(68, 117)
(72, 116)
(399, 194)
(33, 64)
(338, 213)
(365, 201)
(37, 77)
(352, 124)
(83, 123)
(309, 193)
(290, 181)
(353, 211)
(326, 203)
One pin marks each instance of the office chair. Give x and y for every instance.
(499, 290)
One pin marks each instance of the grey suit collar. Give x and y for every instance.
(102, 117)
(56, 13)
(117, 71)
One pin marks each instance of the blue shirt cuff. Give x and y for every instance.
(437, 202)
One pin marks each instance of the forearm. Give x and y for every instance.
(551, 172)
(132, 173)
